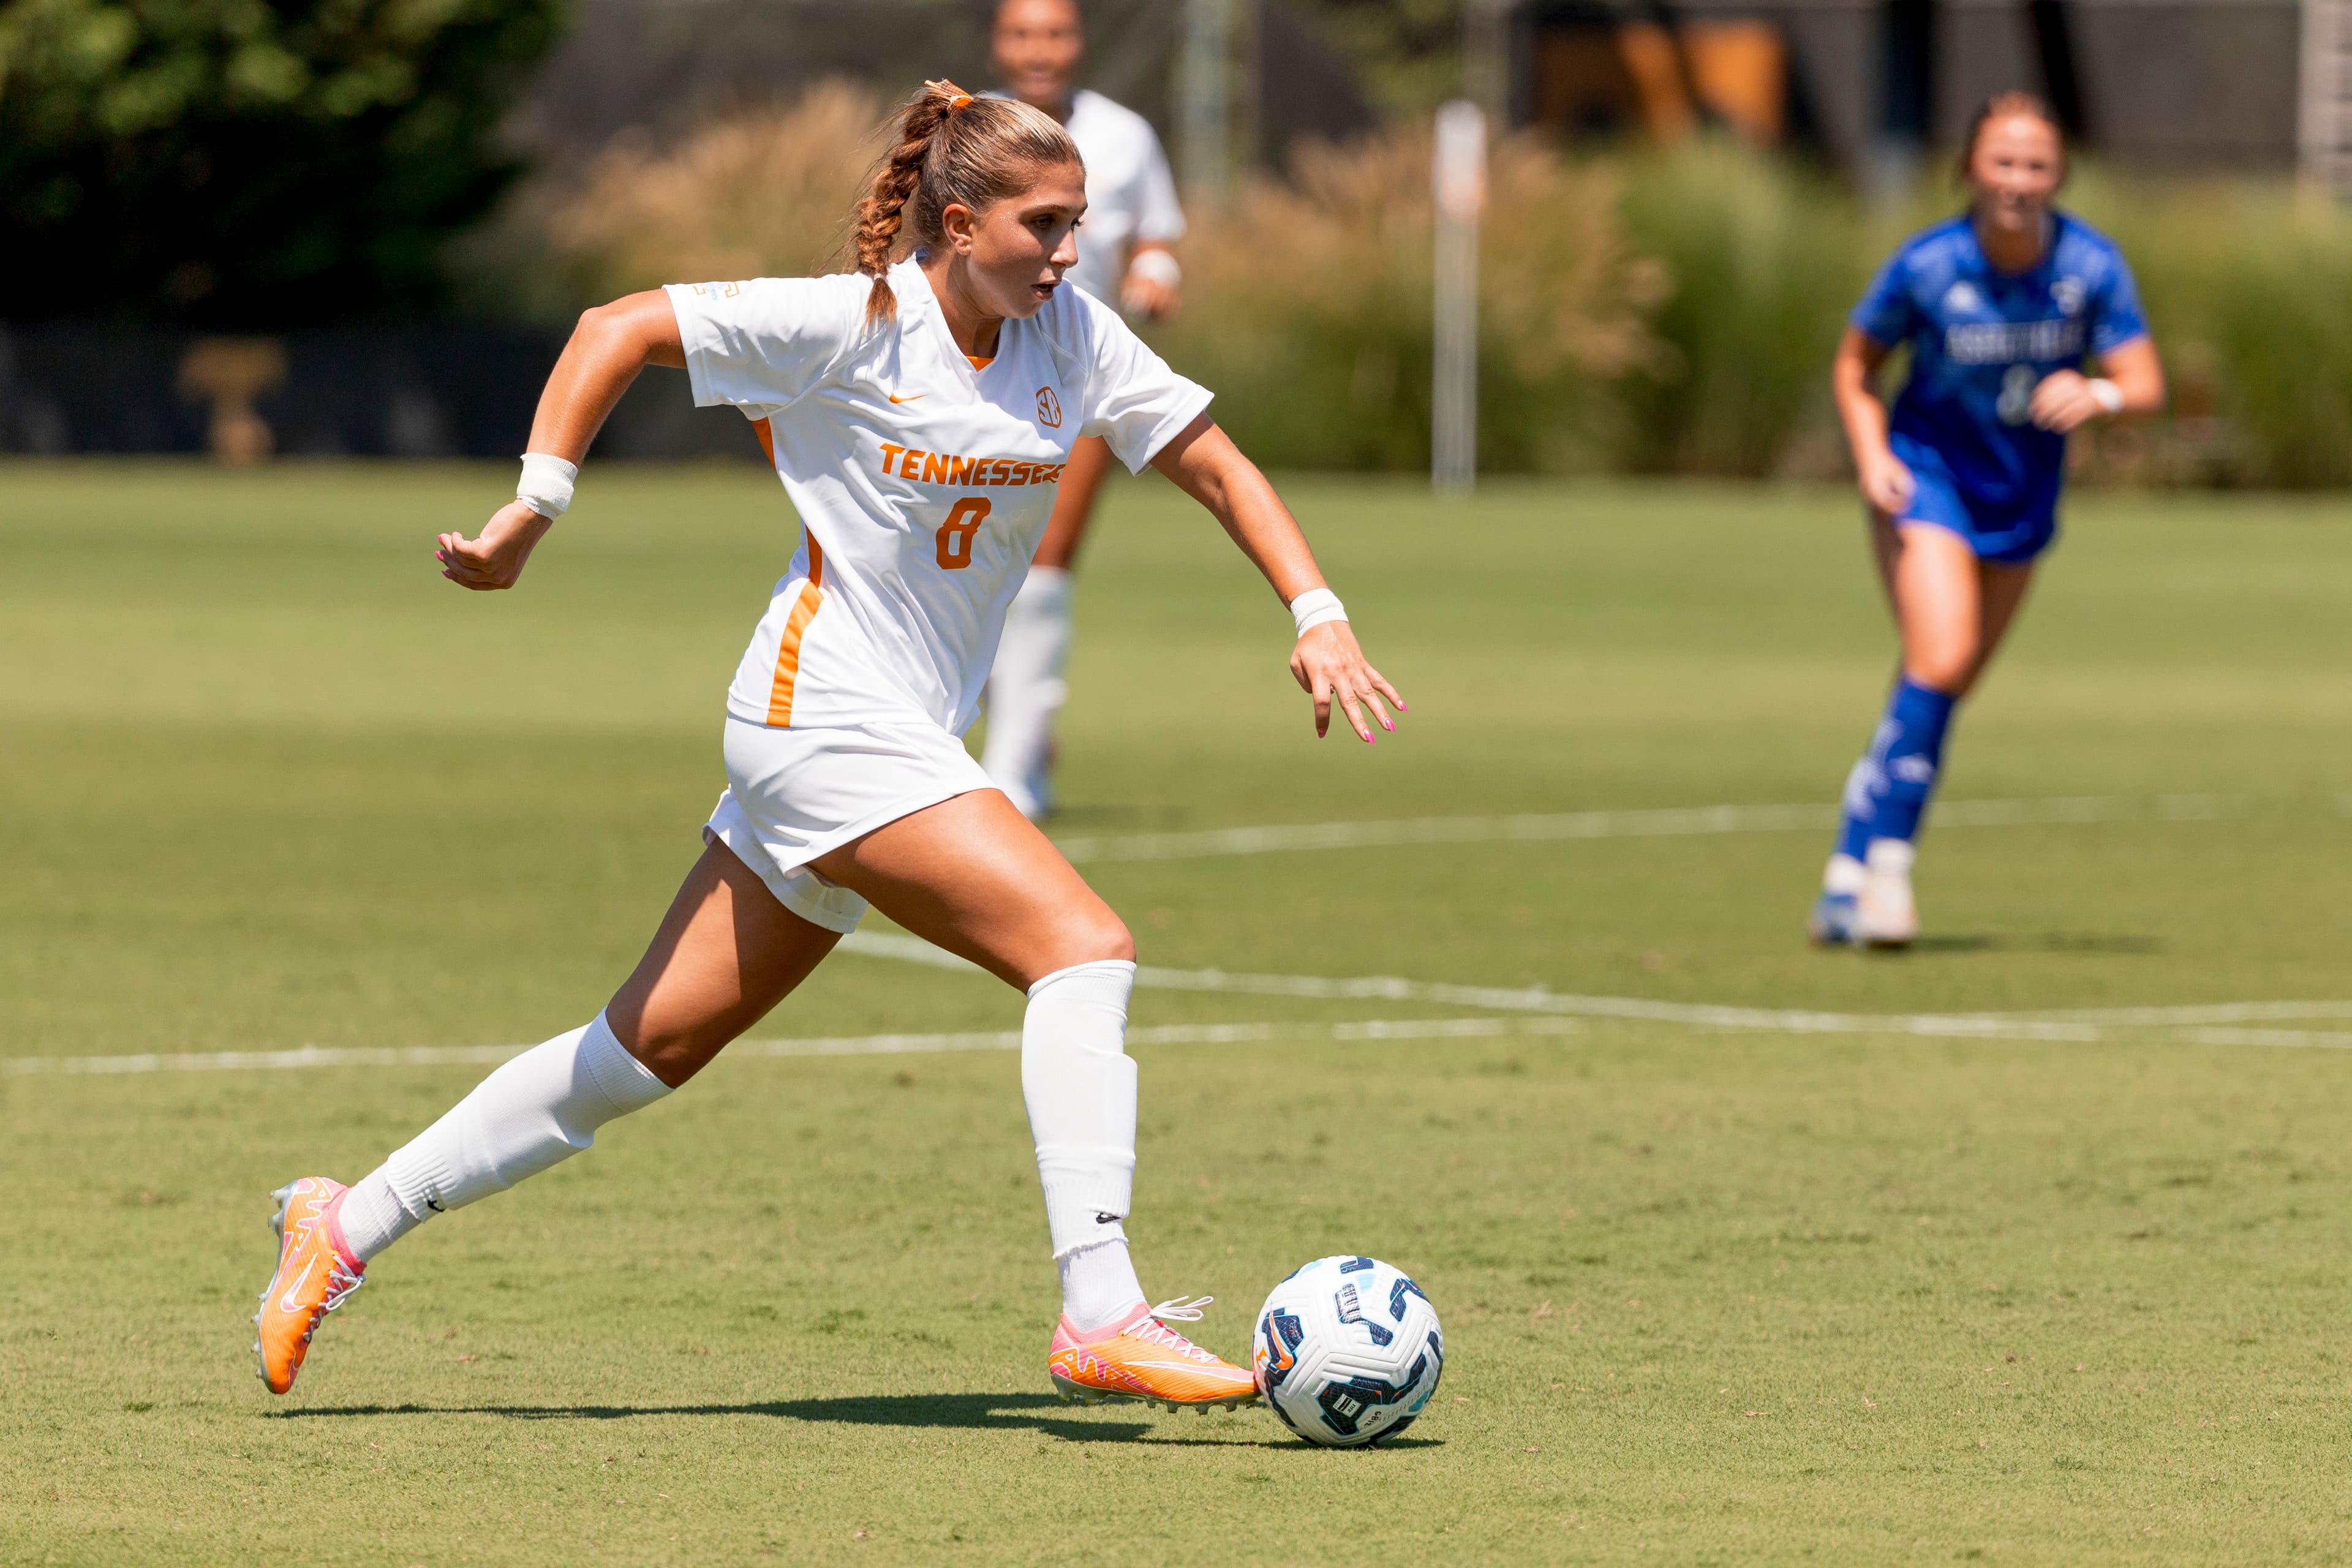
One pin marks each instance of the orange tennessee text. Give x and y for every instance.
(965, 473)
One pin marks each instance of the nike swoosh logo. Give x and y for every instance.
(286, 1302)
(896, 398)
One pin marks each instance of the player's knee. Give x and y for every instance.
(672, 1050)
(1080, 939)
(1095, 936)
(1110, 939)
(1947, 667)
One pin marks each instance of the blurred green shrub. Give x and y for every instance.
(1307, 309)
(2248, 286)
(248, 162)
(1763, 258)
(760, 193)
(2278, 321)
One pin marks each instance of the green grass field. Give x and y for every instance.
(1839, 1277)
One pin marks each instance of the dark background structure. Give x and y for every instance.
(292, 178)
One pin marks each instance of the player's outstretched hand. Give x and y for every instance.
(495, 560)
(1330, 668)
(1147, 298)
(2063, 401)
(1886, 484)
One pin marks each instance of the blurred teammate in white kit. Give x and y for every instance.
(1124, 259)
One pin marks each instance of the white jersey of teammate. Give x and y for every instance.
(1130, 195)
(923, 484)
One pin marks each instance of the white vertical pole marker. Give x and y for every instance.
(2324, 115)
(1204, 63)
(1460, 181)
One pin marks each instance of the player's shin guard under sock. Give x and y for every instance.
(1889, 787)
(542, 1107)
(1079, 1084)
(1025, 689)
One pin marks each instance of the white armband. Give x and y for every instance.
(546, 485)
(2108, 395)
(1156, 267)
(1314, 608)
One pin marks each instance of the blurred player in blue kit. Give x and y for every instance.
(2000, 307)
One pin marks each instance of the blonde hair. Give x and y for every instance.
(952, 150)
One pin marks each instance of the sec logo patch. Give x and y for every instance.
(1049, 408)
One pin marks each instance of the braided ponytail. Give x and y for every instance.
(952, 148)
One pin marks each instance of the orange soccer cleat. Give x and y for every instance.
(316, 1273)
(1143, 1358)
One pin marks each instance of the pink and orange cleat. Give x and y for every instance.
(1143, 1358)
(316, 1274)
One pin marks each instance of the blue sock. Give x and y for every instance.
(1856, 810)
(1888, 790)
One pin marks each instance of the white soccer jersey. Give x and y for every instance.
(923, 484)
(1130, 195)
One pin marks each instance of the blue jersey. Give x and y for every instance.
(1981, 341)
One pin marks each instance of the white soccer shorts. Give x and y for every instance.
(795, 794)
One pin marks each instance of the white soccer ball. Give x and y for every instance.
(1348, 1351)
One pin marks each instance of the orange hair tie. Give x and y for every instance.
(959, 99)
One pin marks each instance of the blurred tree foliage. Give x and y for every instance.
(248, 162)
(1410, 51)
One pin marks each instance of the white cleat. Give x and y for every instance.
(1886, 915)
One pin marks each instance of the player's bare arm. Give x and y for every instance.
(611, 345)
(1879, 475)
(1203, 463)
(2130, 381)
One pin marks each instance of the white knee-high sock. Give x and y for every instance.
(542, 1107)
(1025, 689)
(1079, 1084)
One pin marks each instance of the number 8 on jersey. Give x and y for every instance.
(955, 534)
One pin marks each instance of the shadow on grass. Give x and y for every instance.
(971, 1411)
(2086, 943)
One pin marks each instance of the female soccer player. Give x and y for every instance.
(918, 414)
(2000, 307)
(1124, 258)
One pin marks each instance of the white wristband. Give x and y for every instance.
(1314, 608)
(546, 485)
(2108, 395)
(1156, 267)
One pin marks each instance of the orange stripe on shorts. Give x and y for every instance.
(788, 653)
(767, 439)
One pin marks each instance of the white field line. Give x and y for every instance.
(837, 1046)
(1537, 1012)
(2081, 1026)
(1676, 823)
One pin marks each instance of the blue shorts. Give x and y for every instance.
(2010, 536)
